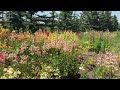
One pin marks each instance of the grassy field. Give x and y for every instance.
(64, 55)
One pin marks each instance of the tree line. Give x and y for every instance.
(65, 20)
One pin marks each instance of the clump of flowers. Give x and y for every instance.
(12, 36)
(33, 48)
(69, 36)
(23, 47)
(36, 50)
(4, 33)
(10, 73)
(2, 57)
(28, 36)
(23, 58)
(63, 36)
(3, 45)
(109, 60)
(63, 45)
(40, 37)
(48, 72)
(13, 57)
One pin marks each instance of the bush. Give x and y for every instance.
(66, 64)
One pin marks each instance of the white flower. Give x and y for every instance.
(10, 71)
(48, 67)
(4, 77)
(56, 74)
(87, 42)
(57, 69)
(18, 72)
(43, 75)
(5, 69)
(15, 74)
(116, 69)
(81, 68)
(11, 77)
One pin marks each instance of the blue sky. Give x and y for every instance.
(117, 13)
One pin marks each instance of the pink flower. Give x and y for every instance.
(65, 48)
(108, 58)
(24, 57)
(13, 57)
(99, 59)
(2, 57)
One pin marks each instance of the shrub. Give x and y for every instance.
(66, 64)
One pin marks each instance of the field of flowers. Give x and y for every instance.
(63, 55)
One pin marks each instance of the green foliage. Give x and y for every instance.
(75, 22)
(98, 20)
(50, 63)
(103, 72)
(16, 45)
(115, 23)
(65, 20)
(66, 64)
(16, 20)
(53, 22)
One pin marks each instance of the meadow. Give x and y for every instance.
(59, 55)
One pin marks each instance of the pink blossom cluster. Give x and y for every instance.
(13, 57)
(108, 58)
(36, 50)
(23, 47)
(3, 57)
(65, 46)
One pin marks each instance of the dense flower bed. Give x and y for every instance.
(67, 55)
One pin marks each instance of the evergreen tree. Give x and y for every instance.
(53, 22)
(98, 20)
(75, 22)
(115, 23)
(65, 20)
(16, 19)
(108, 20)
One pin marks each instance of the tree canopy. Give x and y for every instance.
(64, 20)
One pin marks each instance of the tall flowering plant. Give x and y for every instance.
(2, 57)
